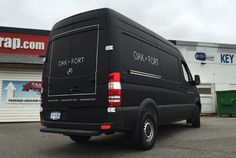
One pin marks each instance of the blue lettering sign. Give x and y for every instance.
(226, 58)
(231, 58)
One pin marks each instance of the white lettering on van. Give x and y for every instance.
(138, 56)
(145, 59)
(153, 61)
(77, 60)
(62, 63)
(72, 61)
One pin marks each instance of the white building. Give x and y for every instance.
(21, 64)
(217, 71)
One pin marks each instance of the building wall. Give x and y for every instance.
(218, 71)
(21, 61)
(19, 111)
(215, 68)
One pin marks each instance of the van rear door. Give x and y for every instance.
(73, 66)
(76, 75)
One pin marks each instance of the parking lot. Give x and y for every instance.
(215, 138)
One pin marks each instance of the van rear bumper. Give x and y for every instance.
(71, 131)
(72, 128)
(124, 119)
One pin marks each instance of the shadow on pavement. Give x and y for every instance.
(105, 145)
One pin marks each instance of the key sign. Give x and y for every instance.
(227, 58)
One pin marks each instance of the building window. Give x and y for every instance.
(204, 90)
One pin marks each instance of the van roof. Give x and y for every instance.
(101, 12)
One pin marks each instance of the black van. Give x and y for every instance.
(105, 73)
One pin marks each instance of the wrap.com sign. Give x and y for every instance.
(16, 43)
(23, 43)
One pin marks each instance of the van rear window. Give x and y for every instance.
(140, 55)
(72, 62)
(75, 49)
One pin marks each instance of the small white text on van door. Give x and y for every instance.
(72, 61)
(145, 58)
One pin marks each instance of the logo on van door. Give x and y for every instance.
(145, 59)
(72, 61)
(69, 71)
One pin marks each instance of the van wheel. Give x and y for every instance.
(196, 122)
(147, 132)
(79, 139)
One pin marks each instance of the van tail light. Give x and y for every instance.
(114, 90)
(105, 127)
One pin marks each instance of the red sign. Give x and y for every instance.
(33, 85)
(19, 43)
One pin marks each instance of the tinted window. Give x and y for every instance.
(77, 50)
(169, 66)
(60, 51)
(72, 61)
(140, 54)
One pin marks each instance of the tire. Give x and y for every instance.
(147, 132)
(196, 122)
(80, 139)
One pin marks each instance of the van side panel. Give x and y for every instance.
(150, 69)
(140, 67)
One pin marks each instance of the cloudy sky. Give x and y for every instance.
(190, 20)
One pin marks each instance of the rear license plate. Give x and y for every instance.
(56, 115)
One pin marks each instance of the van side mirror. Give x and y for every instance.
(197, 79)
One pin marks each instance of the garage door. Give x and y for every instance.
(207, 94)
(20, 95)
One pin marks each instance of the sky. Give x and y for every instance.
(188, 20)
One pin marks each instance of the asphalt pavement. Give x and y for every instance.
(215, 139)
